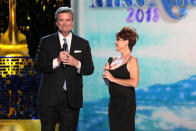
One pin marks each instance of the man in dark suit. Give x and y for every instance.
(60, 96)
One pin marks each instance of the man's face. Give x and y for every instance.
(65, 23)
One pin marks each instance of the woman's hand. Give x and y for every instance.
(108, 75)
(106, 66)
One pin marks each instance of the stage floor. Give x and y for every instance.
(20, 125)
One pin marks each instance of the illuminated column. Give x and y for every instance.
(12, 22)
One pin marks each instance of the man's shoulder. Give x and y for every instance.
(76, 37)
(50, 36)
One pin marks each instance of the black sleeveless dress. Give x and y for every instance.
(122, 104)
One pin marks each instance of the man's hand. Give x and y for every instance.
(67, 59)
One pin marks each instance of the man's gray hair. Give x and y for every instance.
(64, 10)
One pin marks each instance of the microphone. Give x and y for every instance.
(110, 59)
(64, 49)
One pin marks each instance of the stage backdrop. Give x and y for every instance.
(166, 52)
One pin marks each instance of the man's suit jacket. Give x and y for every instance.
(52, 80)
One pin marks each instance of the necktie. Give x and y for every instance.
(65, 46)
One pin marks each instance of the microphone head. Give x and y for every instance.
(110, 60)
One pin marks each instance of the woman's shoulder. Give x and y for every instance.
(132, 63)
(132, 60)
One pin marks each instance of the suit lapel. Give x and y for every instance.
(73, 44)
(57, 41)
(56, 46)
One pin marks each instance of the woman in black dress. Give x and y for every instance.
(123, 76)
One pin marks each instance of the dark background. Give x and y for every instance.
(30, 13)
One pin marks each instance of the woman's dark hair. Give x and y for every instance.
(128, 33)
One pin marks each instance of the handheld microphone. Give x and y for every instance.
(64, 49)
(110, 59)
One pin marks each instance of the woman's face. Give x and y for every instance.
(120, 44)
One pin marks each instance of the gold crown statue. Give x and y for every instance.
(13, 42)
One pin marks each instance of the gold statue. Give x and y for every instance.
(13, 42)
